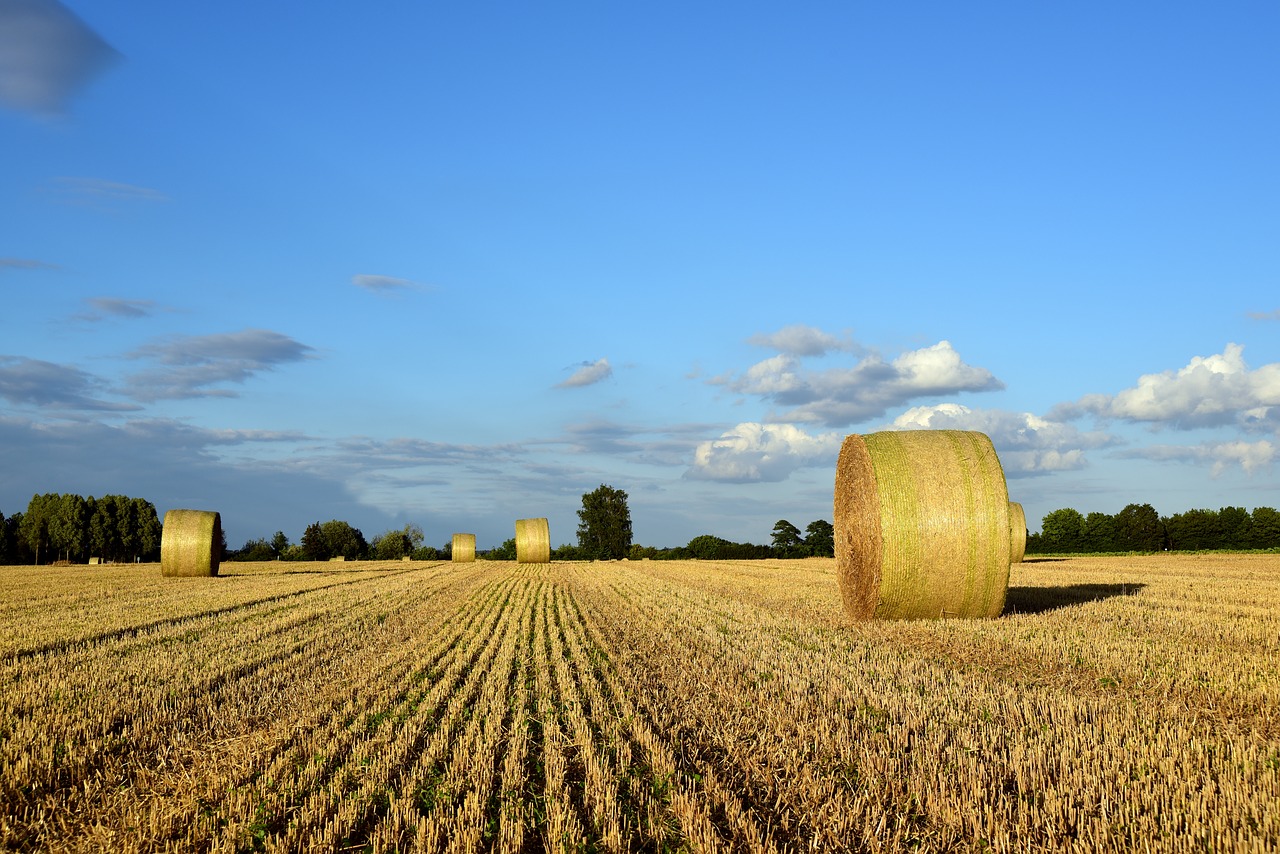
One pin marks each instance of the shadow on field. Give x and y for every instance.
(1037, 600)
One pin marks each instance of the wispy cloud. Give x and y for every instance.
(194, 365)
(1265, 315)
(588, 373)
(838, 397)
(96, 191)
(1211, 391)
(1251, 457)
(46, 54)
(34, 382)
(101, 308)
(384, 285)
(25, 263)
(753, 453)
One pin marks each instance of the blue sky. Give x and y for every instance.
(457, 264)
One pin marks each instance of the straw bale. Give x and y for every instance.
(921, 525)
(464, 548)
(533, 541)
(190, 543)
(1017, 532)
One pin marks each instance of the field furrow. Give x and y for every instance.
(637, 706)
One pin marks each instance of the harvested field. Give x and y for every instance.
(1122, 703)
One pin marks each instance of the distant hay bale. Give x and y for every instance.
(191, 543)
(464, 548)
(533, 541)
(338, 559)
(1017, 532)
(921, 525)
(94, 561)
(405, 558)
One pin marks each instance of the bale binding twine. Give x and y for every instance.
(190, 543)
(533, 541)
(922, 525)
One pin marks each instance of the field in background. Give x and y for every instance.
(1121, 703)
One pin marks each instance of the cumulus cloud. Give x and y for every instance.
(1027, 444)
(838, 397)
(383, 285)
(588, 373)
(34, 382)
(800, 340)
(190, 365)
(1211, 391)
(46, 54)
(752, 453)
(1251, 457)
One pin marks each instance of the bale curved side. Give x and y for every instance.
(1017, 532)
(533, 541)
(922, 525)
(191, 543)
(464, 548)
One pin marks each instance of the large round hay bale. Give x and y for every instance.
(1017, 532)
(464, 548)
(191, 543)
(921, 525)
(533, 541)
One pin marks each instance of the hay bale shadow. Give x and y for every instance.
(1038, 600)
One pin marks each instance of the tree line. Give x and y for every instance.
(71, 528)
(1139, 528)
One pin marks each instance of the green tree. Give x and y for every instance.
(279, 543)
(1237, 528)
(706, 547)
(148, 530)
(506, 551)
(604, 524)
(393, 545)
(1099, 533)
(314, 545)
(1265, 531)
(786, 538)
(820, 538)
(36, 521)
(1062, 531)
(1138, 529)
(343, 540)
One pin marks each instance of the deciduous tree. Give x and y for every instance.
(604, 526)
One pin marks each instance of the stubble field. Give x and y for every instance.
(1122, 703)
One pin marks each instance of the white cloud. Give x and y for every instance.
(588, 374)
(1026, 444)
(752, 452)
(799, 340)
(839, 397)
(1251, 457)
(1211, 391)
